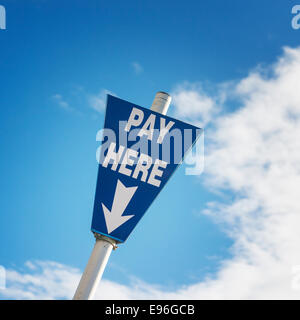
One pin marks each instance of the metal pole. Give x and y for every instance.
(104, 245)
(95, 268)
(161, 102)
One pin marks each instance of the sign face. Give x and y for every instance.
(140, 151)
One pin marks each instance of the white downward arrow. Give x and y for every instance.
(114, 218)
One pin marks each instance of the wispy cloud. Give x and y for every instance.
(190, 100)
(137, 68)
(80, 99)
(52, 280)
(98, 101)
(61, 102)
(41, 280)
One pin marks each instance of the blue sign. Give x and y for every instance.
(140, 151)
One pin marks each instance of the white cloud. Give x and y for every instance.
(254, 153)
(98, 102)
(190, 101)
(41, 280)
(52, 280)
(138, 69)
(61, 102)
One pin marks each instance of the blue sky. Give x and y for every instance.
(55, 58)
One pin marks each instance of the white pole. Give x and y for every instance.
(161, 102)
(104, 245)
(95, 268)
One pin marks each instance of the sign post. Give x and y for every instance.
(129, 178)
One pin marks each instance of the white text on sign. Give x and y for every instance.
(141, 171)
(146, 169)
(147, 145)
(136, 118)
